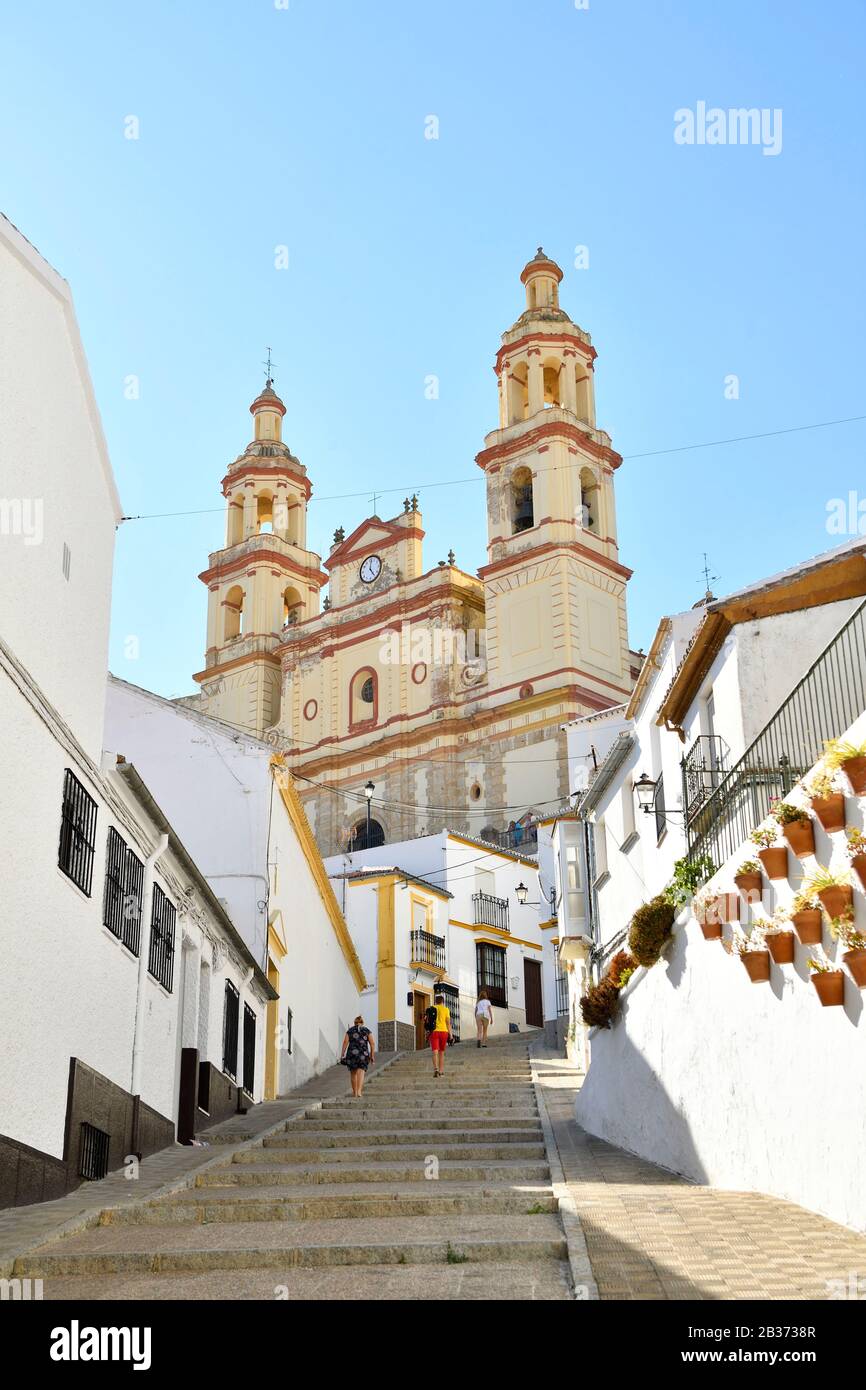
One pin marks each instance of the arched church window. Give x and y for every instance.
(234, 612)
(362, 697)
(551, 383)
(359, 838)
(522, 510)
(589, 501)
(368, 691)
(264, 514)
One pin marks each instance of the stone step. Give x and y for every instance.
(335, 1123)
(305, 1204)
(546, 1280)
(361, 1153)
(307, 1244)
(247, 1174)
(369, 1104)
(301, 1137)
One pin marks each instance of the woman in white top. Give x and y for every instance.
(483, 1017)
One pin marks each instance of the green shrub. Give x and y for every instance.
(688, 876)
(621, 969)
(650, 928)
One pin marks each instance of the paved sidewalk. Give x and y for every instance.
(652, 1235)
(24, 1228)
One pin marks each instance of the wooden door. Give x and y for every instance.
(532, 994)
(421, 1002)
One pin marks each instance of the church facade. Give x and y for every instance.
(444, 690)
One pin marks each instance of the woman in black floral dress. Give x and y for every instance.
(358, 1053)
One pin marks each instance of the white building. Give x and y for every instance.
(100, 904)
(743, 1086)
(443, 912)
(236, 807)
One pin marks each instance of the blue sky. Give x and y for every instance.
(305, 126)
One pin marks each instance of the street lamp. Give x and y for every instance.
(521, 890)
(645, 791)
(368, 792)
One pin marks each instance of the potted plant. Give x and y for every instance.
(748, 880)
(827, 803)
(773, 856)
(807, 918)
(712, 910)
(797, 829)
(776, 932)
(834, 890)
(753, 954)
(842, 929)
(851, 758)
(857, 853)
(687, 877)
(829, 983)
(650, 930)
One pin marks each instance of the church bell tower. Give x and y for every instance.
(264, 580)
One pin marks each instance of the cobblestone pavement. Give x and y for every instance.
(652, 1235)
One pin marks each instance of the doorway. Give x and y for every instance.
(532, 994)
(421, 1003)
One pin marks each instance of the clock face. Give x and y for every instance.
(371, 569)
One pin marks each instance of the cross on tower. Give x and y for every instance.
(269, 367)
(373, 500)
(708, 578)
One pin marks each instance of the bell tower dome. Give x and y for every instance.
(264, 580)
(554, 585)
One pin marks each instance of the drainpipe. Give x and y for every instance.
(138, 1034)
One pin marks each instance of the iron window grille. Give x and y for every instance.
(452, 1000)
(490, 967)
(92, 1153)
(427, 949)
(659, 807)
(561, 988)
(163, 920)
(77, 833)
(249, 1050)
(704, 766)
(124, 882)
(231, 1009)
(490, 911)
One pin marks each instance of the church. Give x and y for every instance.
(407, 698)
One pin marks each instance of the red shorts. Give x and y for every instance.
(438, 1041)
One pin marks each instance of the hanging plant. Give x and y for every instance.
(599, 1005)
(797, 828)
(834, 890)
(772, 855)
(621, 969)
(827, 803)
(776, 932)
(857, 853)
(750, 949)
(807, 918)
(650, 929)
(842, 929)
(748, 879)
(829, 983)
(688, 875)
(850, 758)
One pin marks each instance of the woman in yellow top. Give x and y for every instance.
(440, 1034)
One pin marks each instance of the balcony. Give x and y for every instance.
(490, 911)
(428, 950)
(826, 702)
(704, 767)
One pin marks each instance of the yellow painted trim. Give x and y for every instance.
(301, 825)
(511, 858)
(496, 936)
(387, 963)
(277, 937)
(272, 1017)
(545, 926)
(396, 878)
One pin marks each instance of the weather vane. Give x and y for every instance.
(269, 367)
(708, 578)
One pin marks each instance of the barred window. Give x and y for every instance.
(163, 919)
(231, 1009)
(121, 902)
(77, 833)
(490, 962)
(452, 1000)
(249, 1050)
(659, 802)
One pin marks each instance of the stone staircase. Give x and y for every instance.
(423, 1188)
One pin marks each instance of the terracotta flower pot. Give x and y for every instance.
(837, 900)
(855, 771)
(830, 985)
(780, 944)
(858, 864)
(809, 926)
(750, 885)
(801, 837)
(775, 861)
(856, 963)
(757, 964)
(830, 811)
(712, 931)
(724, 907)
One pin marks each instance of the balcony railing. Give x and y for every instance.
(828, 699)
(490, 911)
(428, 949)
(704, 766)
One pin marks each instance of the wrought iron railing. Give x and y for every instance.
(828, 699)
(231, 1015)
(452, 999)
(704, 767)
(428, 949)
(93, 1149)
(249, 1081)
(490, 911)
